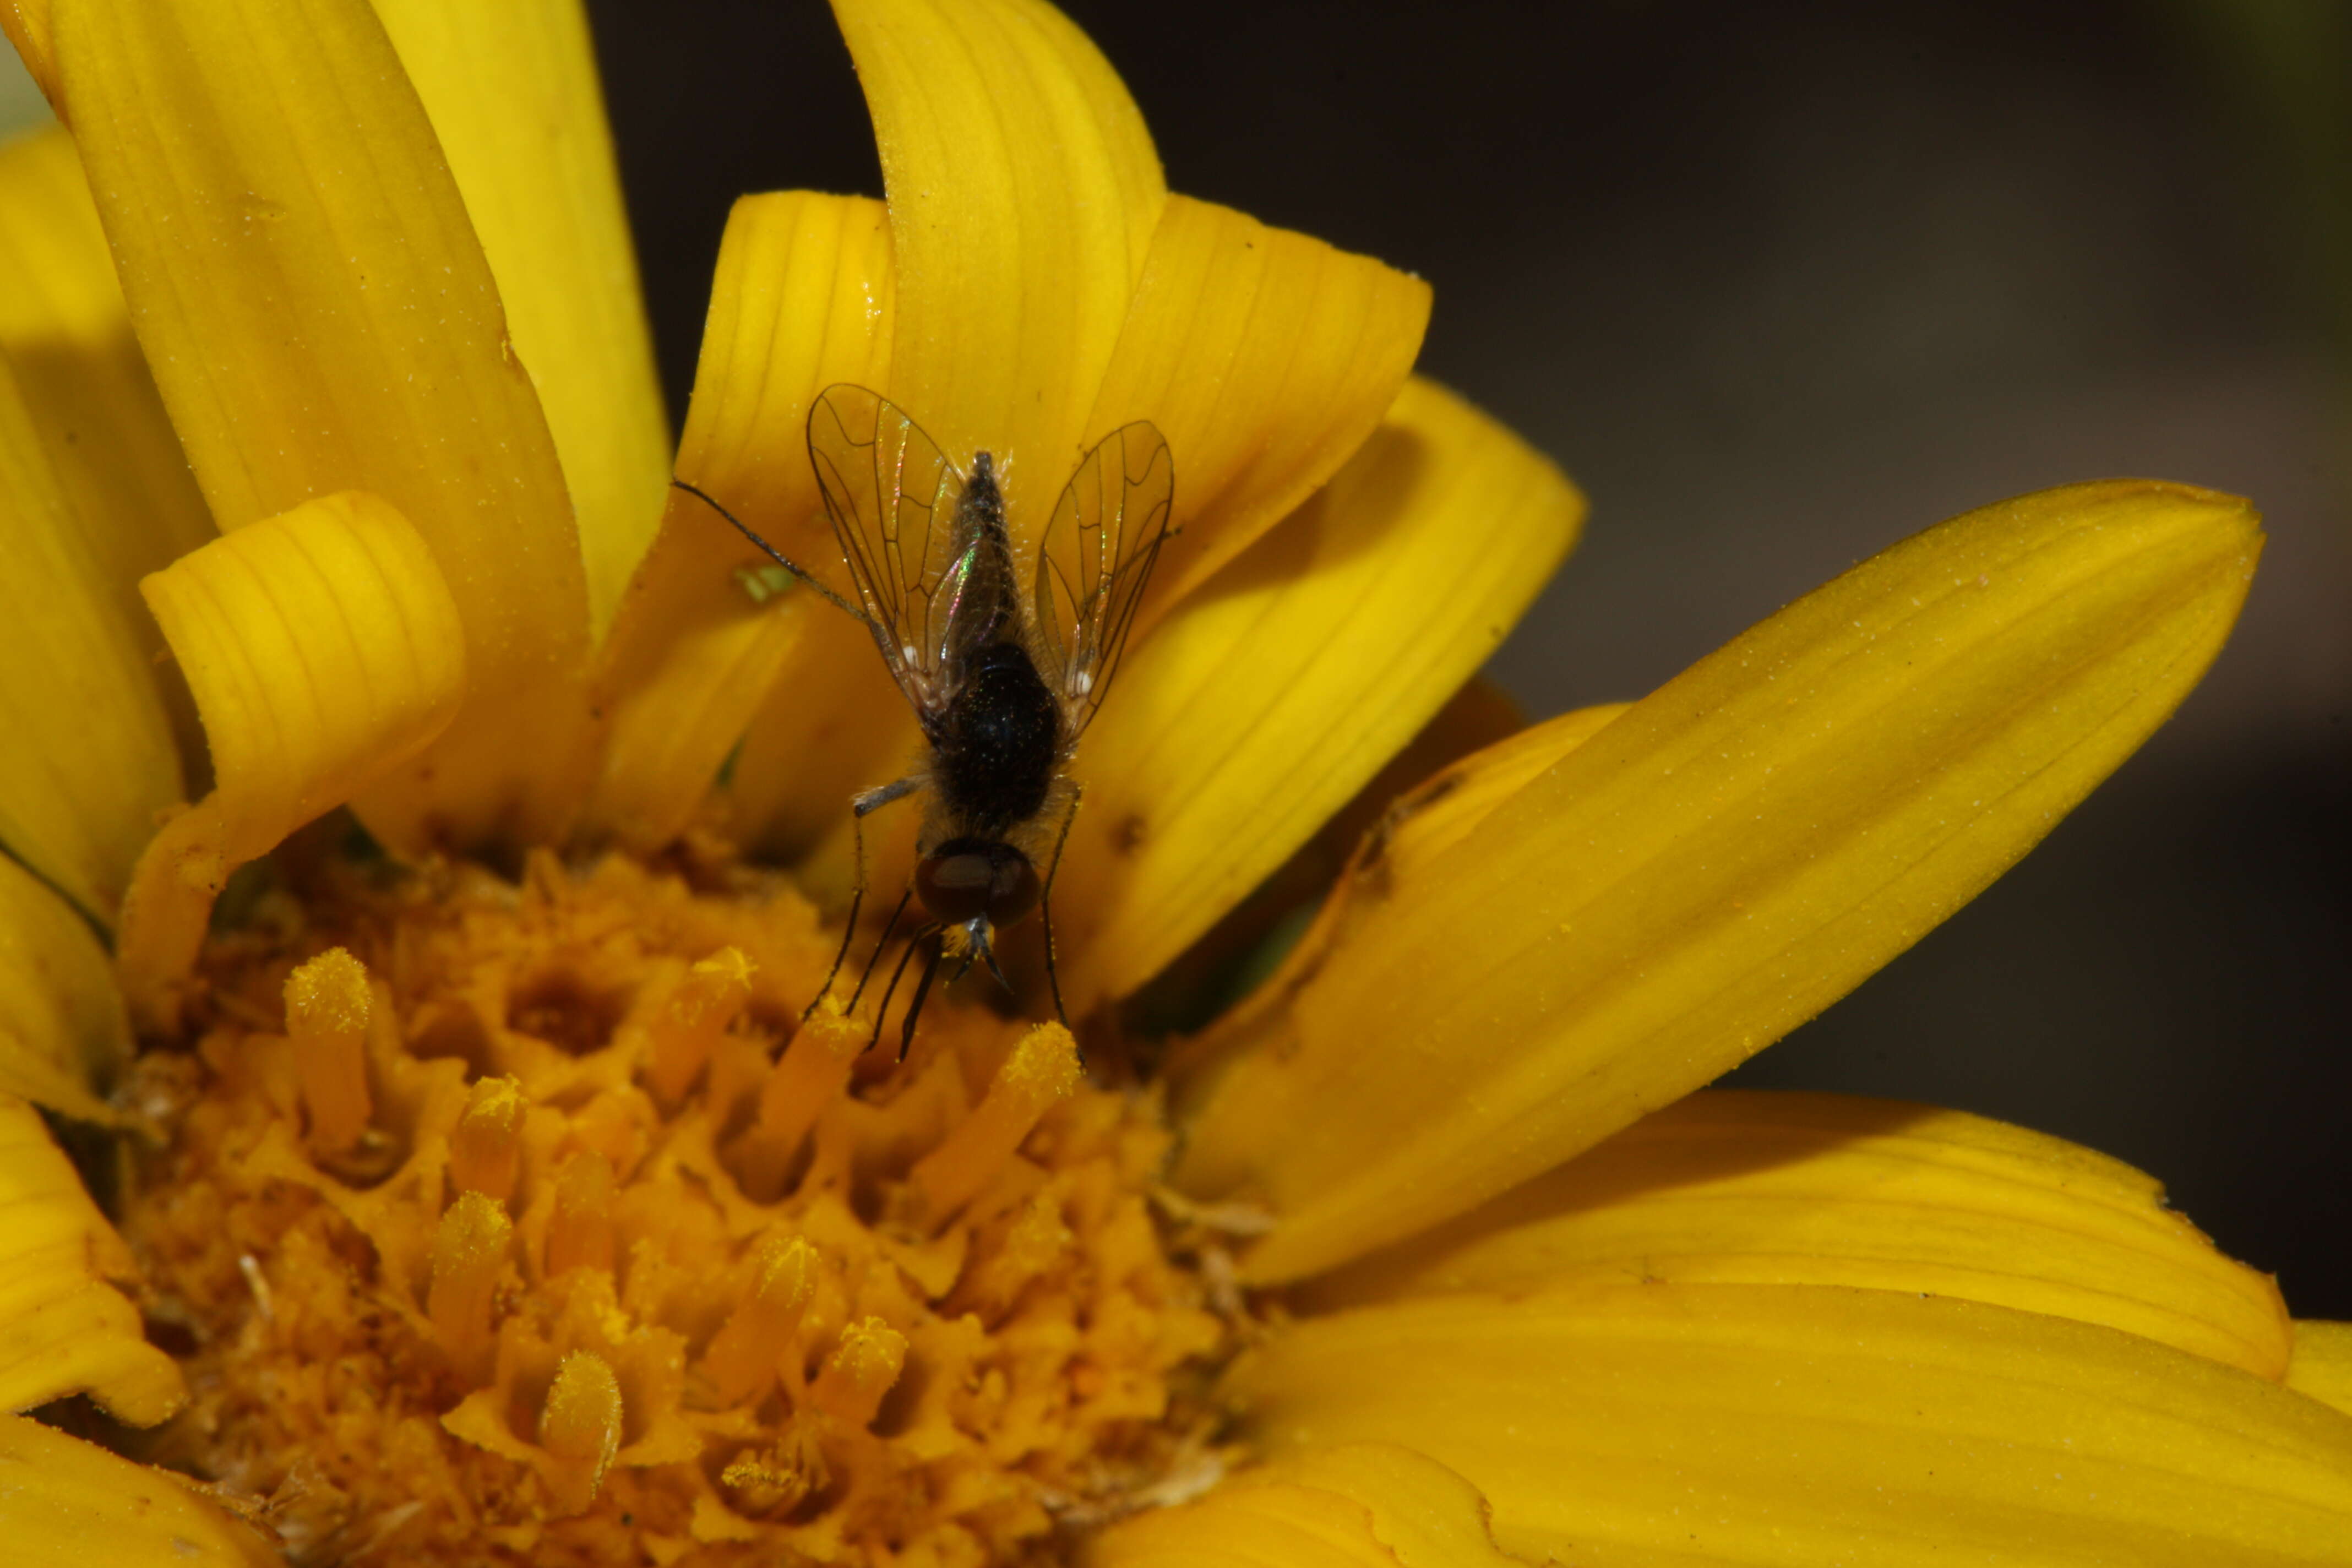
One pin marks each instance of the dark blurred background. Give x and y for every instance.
(1779, 285)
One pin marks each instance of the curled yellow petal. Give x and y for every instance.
(1265, 705)
(511, 90)
(67, 331)
(2320, 1366)
(88, 758)
(1801, 1424)
(63, 1329)
(324, 649)
(63, 1035)
(1265, 358)
(65, 1500)
(1821, 1189)
(308, 288)
(801, 301)
(1720, 863)
(1024, 193)
(1369, 1504)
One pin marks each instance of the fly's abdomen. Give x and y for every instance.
(994, 755)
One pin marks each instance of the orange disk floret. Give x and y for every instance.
(529, 1223)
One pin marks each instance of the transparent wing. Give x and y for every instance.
(1094, 559)
(892, 499)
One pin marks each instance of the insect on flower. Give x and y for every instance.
(1003, 681)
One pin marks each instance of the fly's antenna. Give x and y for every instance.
(778, 556)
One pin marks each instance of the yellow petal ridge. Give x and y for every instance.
(63, 1329)
(1280, 688)
(65, 1500)
(1371, 1504)
(63, 1033)
(801, 299)
(1024, 193)
(1800, 1424)
(1265, 358)
(1720, 863)
(308, 288)
(512, 92)
(89, 759)
(2321, 1367)
(1762, 1187)
(324, 649)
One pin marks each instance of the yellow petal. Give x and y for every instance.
(65, 1500)
(307, 285)
(324, 649)
(65, 328)
(1228, 966)
(1024, 193)
(1273, 696)
(1803, 1424)
(2321, 1365)
(1418, 827)
(62, 1029)
(1820, 1189)
(63, 1329)
(89, 759)
(801, 301)
(26, 23)
(1369, 1504)
(1265, 358)
(831, 726)
(1720, 863)
(512, 88)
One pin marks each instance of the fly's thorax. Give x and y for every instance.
(996, 747)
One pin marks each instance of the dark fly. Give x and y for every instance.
(1004, 676)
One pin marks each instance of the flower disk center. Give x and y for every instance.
(511, 1224)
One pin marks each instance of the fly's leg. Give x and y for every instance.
(866, 974)
(1046, 913)
(921, 935)
(922, 989)
(871, 800)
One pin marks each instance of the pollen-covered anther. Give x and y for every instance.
(1042, 1069)
(469, 1252)
(1036, 1239)
(327, 1005)
(859, 1372)
(770, 1481)
(809, 1076)
(580, 1429)
(707, 1000)
(580, 1233)
(485, 1149)
(758, 1333)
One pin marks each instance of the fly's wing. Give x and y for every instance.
(892, 499)
(1094, 560)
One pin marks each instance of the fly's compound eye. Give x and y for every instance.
(966, 880)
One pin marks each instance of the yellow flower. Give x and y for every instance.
(479, 1214)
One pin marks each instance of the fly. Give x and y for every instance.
(1004, 676)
